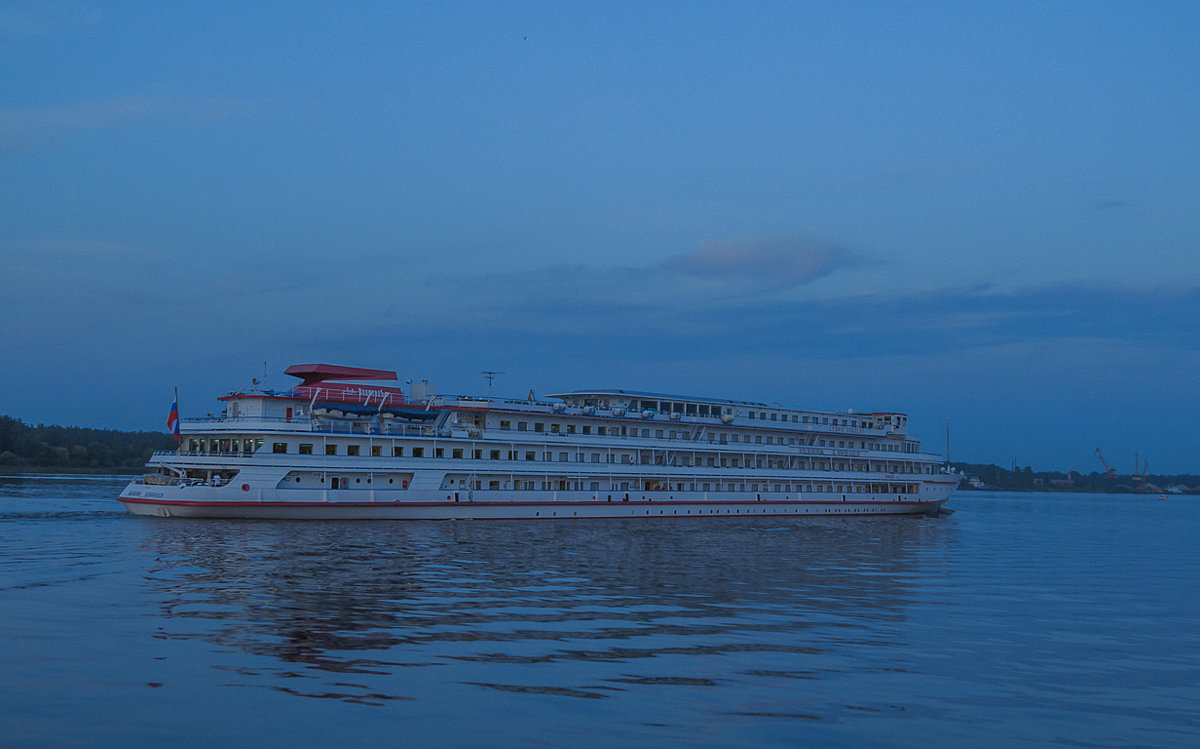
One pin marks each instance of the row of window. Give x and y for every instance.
(715, 438)
(626, 431)
(625, 486)
(642, 458)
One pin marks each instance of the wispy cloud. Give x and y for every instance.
(954, 320)
(779, 263)
(720, 273)
(46, 17)
(21, 128)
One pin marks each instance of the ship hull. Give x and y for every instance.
(522, 509)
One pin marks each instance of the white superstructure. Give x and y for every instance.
(329, 449)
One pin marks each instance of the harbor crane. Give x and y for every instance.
(1108, 472)
(1140, 478)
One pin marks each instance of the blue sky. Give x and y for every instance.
(983, 214)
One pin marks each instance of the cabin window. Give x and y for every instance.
(570, 429)
(601, 431)
(595, 457)
(306, 448)
(418, 452)
(512, 454)
(505, 424)
(279, 447)
(530, 455)
(398, 452)
(456, 453)
(331, 449)
(645, 432)
(539, 427)
(477, 455)
(554, 428)
(494, 455)
(563, 457)
(352, 449)
(751, 414)
(658, 433)
(439, 452)
(774, 417)
(522, 426)
(587, 429)
(376, 451)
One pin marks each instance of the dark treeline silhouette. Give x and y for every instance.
(1026, 479)
(47, 446)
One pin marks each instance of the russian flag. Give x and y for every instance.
(173, 419)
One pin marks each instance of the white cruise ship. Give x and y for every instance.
(340, 445)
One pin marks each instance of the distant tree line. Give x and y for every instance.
(77, 448)
(1026, 479)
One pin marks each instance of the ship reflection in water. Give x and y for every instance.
(449, 611)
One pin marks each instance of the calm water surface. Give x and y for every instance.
(1019, 619)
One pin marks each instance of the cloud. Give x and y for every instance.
(21, 128)
(941, 321)
(46, 17)
(780, 263)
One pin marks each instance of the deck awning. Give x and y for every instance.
(311, 374)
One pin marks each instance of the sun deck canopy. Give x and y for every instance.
(311, 374)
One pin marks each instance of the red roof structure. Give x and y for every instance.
(311, 374)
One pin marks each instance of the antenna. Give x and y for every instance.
(491, 376)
